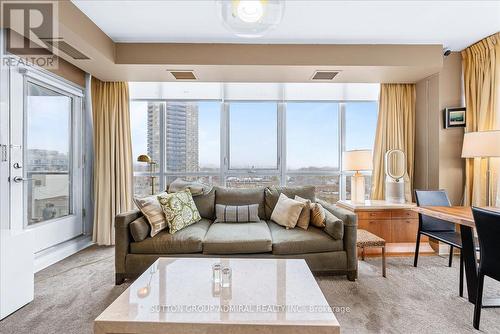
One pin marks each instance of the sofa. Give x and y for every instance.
(264, 239)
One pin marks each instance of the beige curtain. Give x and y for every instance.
(395, 130)
(112, 157)
(481, 71)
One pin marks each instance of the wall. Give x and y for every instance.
(70, 72)
(438, 164)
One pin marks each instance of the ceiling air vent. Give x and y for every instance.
(324, 75)
(66, 48)
(183, 75)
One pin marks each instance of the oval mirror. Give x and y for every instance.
(395, 164)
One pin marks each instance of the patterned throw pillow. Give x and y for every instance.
(153, 212)
(318, 215)
(179, 209)
(237, 214)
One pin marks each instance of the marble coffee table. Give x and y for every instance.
(178, 295)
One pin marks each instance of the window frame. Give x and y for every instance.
(281, 171)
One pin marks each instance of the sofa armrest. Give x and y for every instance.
(350, 221)
(122, 240)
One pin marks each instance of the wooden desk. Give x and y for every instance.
(396, 223)
(462, 216)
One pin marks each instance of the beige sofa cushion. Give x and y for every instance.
(273, 193)
(318, 215)
(185, 241)
(299, 241)
(230, 238)
(205, 204)
(305, 214)
(151, 209)
(287, 211)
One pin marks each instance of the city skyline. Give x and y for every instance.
(361, 118)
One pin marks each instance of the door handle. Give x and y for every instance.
(17, 165)
(18, 179)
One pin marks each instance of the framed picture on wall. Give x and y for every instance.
(454, 117)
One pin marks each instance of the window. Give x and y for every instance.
(251, 140)
(192, 136)
(48, 154)
(253, 136)
(312, 136)
(181, 137)
(360, 125)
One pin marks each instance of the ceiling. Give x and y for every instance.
(453, 24)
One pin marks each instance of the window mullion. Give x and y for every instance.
(282, 142)
(342, 179)
(163, 134)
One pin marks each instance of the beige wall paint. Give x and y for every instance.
(438, 164)
(451, 165)
(111, 61)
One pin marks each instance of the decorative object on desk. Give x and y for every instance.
(395, 176)
(483, 144)
(357, 160)
(454, 117)
(147, 159)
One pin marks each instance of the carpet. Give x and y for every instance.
(70, 294)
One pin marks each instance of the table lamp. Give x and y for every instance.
(482, 144)
(147, 159)
(357, 160)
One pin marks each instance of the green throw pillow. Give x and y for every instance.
(179, 209)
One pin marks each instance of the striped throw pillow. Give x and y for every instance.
(151, 209)
(237, 214)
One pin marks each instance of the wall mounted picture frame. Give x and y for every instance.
(454, 117)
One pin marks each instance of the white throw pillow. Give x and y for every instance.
(287, 211)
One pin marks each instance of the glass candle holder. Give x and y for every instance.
(226, 277)
(216, 273)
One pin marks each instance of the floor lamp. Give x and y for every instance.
(482, 144)
(147, 159)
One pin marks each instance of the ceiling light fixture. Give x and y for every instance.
(251, 18)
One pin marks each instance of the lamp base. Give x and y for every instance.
(358, 188)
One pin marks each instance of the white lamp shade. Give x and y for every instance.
(481, 144)
(357, 160)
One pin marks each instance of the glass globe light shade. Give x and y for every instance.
(251, 18)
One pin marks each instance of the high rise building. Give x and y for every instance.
(181, 135)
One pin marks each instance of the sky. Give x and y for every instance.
(312, 132)
(48, 123)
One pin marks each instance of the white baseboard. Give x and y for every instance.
(59, 252)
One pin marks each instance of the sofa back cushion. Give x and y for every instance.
(236, 196)
(205, 204)
(273, 193)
